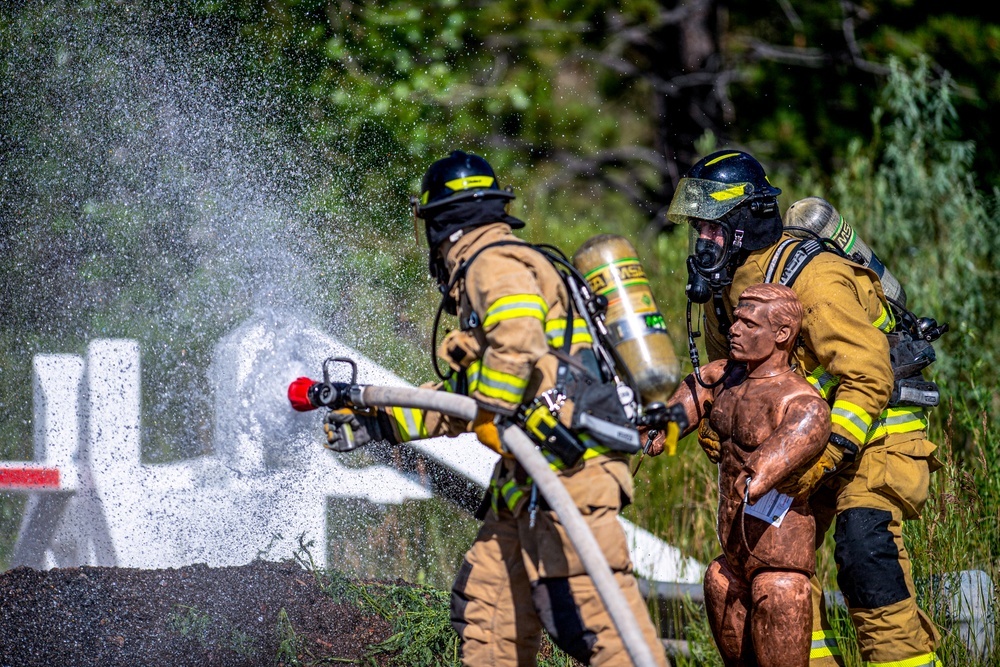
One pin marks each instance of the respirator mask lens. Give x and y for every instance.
(708, 242)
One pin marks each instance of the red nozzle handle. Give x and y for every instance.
(298, 394)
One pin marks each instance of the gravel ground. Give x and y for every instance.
(197, 615)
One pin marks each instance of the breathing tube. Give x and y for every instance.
(693, 353)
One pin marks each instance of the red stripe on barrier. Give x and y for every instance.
(32, 478)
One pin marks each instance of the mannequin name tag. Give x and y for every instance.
(772, 507)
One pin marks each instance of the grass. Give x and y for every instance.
(290, 645)
(200, 627)
(419, 617)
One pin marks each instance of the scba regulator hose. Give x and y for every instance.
(520, 445)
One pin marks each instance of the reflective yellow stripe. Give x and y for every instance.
(501, 386)
(556, 463)
(897, 420)
(410, 423)
(925, 660)
(555, 332)
(824, 645)
(729, 193)
(720, 159)
(539, 417)
(494, 496)
(512, 493)
(472, 375)
(453, 383)
(514, 306)
(852, 418)
(885, 322)
(823, 381)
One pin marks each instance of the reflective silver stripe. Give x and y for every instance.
(512, 493)
(472, 375)
(897, 420)
(409, 418)
(514, 306)
(852, 418)
(823, 381)
(503, 386)
(772, 268)
(555, 331)
(824, 645)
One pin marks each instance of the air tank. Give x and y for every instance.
(638, 334)
(820, 217)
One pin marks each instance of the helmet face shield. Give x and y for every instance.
(702, 199)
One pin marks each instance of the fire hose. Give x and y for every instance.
(527, 454)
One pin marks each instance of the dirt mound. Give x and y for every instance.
(246, 616)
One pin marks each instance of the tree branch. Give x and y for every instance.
(852, 44)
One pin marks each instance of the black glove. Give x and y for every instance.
(347, 430)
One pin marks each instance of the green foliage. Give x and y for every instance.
(419, 541)
(422, 632)
(676, 499)
(290, 645)
(958, 531)
(191, 623)
(807, 104)
(912, 195)
(419, 615)
(701, 644)
(384, 88)
(199, 627)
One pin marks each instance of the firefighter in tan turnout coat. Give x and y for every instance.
(874, 473)
(521, 574)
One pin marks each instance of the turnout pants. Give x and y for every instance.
(869, 502)
(518, 578)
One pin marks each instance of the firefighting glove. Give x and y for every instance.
(709, 441)
(347, 430)
(837, 455)
(485, 428)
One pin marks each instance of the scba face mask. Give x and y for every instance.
(702, 204)
(712, 246)
(708, 243)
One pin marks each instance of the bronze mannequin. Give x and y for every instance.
(770, 422)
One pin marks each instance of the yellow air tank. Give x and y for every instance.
(818, 216)
(635, 325)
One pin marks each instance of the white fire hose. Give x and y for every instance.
(524, 450)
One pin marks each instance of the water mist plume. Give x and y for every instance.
(141, 200)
